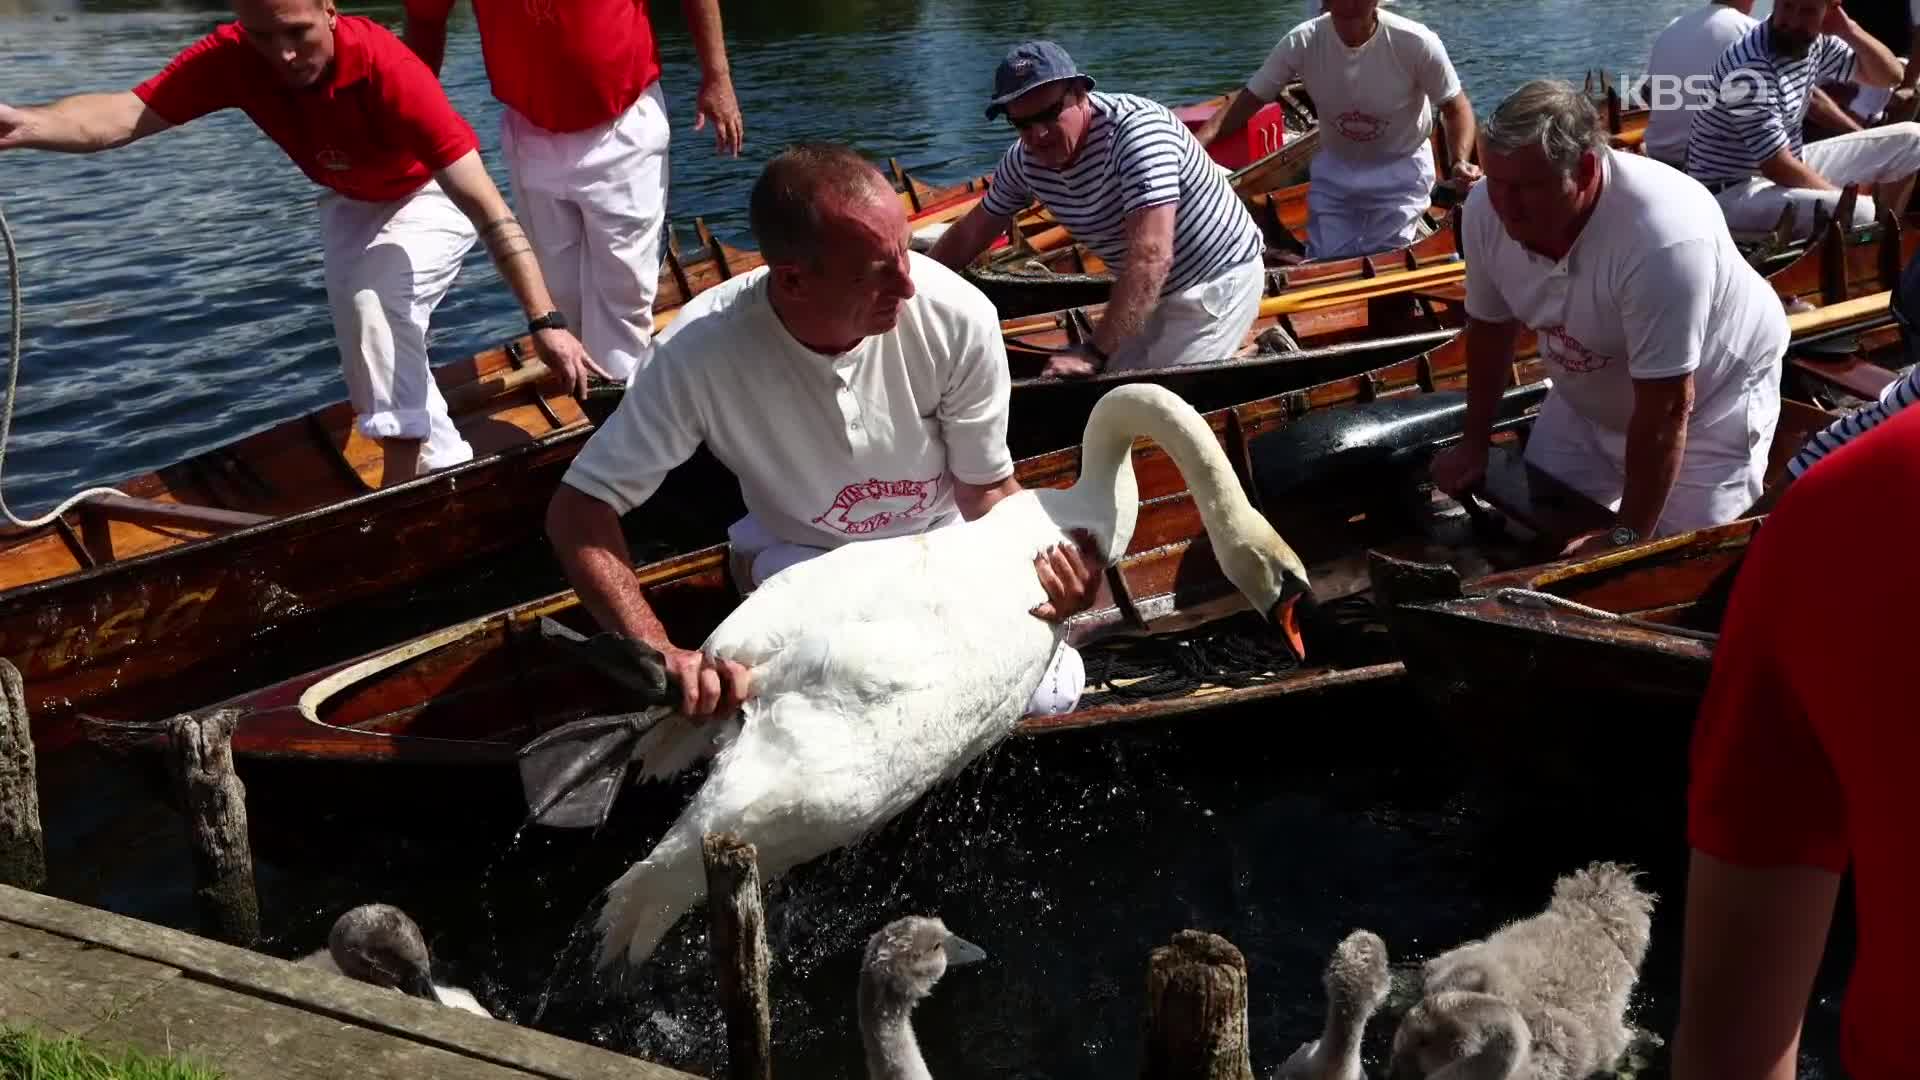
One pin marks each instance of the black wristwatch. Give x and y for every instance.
(552, 320)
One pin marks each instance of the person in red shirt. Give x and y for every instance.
(585, 136)
(1802, 763)
(404, 193)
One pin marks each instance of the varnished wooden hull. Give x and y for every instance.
(1496, 647)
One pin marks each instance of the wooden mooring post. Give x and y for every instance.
(1197, 1011)
(737, 934)
(23, 849)
(215, 802)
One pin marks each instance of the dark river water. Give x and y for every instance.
(174, 302)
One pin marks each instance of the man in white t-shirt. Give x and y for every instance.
(857, 390)
(1376, 79)
(1664, 346)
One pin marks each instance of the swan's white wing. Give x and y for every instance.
(877, 618)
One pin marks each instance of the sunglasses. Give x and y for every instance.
(1045, 116)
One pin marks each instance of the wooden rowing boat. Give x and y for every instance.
(1629, 625)
(288, 534)
(1335, 466)
(297, 528)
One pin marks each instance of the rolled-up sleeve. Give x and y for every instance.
(1282, 66)
(976, 397)
(1666, 305)
(660, 422)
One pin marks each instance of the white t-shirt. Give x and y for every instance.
(1375, 102)
(1653, 288)
(1687, 49)
(827, 449)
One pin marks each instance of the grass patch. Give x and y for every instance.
(28, 1055)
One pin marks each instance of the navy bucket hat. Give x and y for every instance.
(1028, 65)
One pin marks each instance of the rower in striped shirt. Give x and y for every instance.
(1126, 178)
(1746, 147)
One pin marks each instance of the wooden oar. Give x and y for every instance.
(1840, 314)
(1361, 288)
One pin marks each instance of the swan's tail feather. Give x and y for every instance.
(647, 900)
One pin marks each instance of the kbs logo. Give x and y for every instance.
(1359, 126)
(1565, 349)
(862, 509)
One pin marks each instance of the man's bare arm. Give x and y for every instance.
(1231, 118)
(81, 124)
(592, 550)
(1753, 941)
(1136, 292)
(1790, 172)
(968, 237)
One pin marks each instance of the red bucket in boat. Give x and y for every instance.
(1262, 136)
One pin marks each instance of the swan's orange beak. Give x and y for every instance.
(1287, 620)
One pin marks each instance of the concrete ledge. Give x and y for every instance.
(91, 973)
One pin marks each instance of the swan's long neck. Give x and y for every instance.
(1339, 1049)
(1106, 467)
(886, 1032)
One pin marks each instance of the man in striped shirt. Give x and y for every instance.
(1126, 178)
(1746, 148)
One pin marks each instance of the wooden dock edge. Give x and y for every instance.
(156, 959)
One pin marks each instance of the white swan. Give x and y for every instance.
(381, 945)
(883, 667)
(905, 958)
(1357, 982)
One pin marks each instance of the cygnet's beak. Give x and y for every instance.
(418, 983)
(1286, 618)
(961, 951)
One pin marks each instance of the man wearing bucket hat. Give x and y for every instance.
(1126, 178)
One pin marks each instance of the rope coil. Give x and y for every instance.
(13, 380)
(1543, 601)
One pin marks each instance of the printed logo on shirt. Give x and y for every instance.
(334, 160)
(541, 11)
(862, 509)
(1359, 126)
(1564, 349)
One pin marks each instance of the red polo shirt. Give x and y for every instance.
(1807, 743)
(566, 65)
(375, 127)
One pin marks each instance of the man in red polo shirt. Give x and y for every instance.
(405, 193)
(585, 136)
(1803, 763)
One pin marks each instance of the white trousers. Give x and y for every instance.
(388, 265)
(1363, 208)
(1200, 323)
(1871, 156)
(592, 203)
(1722, 470)
(757, 555)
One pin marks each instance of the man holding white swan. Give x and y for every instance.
(857, 389)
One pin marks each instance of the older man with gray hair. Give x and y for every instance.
(1664, 345)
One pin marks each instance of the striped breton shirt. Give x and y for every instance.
(1136, 154)
(1760, 104)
